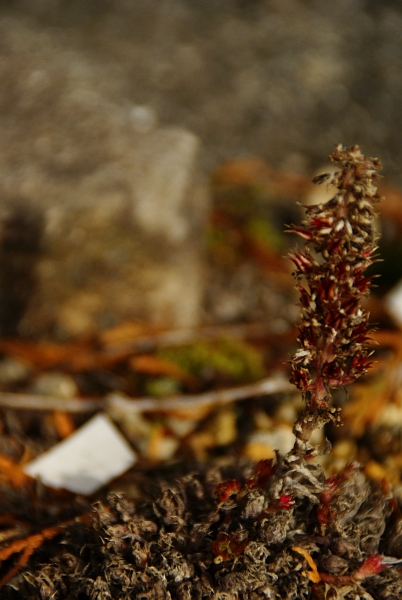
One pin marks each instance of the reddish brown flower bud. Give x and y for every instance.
(325, 514)
(301, 378)
(302, 232)
(227, 547)
(286, 502)
(264, 470)
(226, 489)
(303, 263)
(371, 566)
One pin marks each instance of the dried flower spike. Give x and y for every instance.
(340, 243)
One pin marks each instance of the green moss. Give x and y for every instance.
(162, 386)
(228, 357)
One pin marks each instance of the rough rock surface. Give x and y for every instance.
(285, 80)
(281, 79)
(101, 218)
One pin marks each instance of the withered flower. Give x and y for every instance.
(264, 470)
(226, 489)
(228, 546)
(340, 244)
(286, 501)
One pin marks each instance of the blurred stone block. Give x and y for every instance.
(102, 220)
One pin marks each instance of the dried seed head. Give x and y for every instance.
(340, 243)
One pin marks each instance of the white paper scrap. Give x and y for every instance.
(87, 460)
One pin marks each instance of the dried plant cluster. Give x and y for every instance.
(207, 537)
(340, 244)
(280, 531)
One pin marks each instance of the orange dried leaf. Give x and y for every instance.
(43, 355)
(12, 472)
(64, 423)
(153, 365)
(126, 332)
(94, 359)
(27, 546)
(256, 172)
(313, 575)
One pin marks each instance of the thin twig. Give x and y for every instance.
(270, 385)
(41, 402)
(267, 386)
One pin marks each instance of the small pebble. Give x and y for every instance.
(281, 438)
(224, 427)
(181, 427)
(12, 371)
(375, 471)
(55, 384)
(345, 449)
(161, 446)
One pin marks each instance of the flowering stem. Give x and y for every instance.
(340, 244)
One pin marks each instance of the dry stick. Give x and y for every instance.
(269, 385)
(42, 402)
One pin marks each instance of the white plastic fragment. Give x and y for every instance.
(87, 460)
